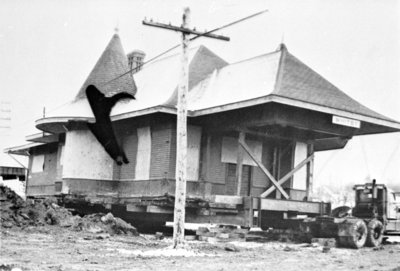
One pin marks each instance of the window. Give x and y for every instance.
(230, 151)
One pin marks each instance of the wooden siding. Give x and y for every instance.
(259, 179)
(129, 145)
(161, 159)
(43, 183)
(231, 182)
(216, 170)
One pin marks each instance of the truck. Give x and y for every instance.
(376, 213)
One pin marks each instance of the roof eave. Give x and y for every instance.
(42, 137)
(57, 125)
(22, 149)
(301, 104)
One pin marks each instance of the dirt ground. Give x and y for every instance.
(56, 248)
(41, 235)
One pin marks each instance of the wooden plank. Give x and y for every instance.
(290, 205)
(224, 211)
(159, 209)
(234, 219)
(266, 172)
(239, 163)
(227, 199)
(222, 205)
(287, 176)
(135, 208)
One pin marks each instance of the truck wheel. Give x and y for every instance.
(375, 233)
(356, 234)
(340, 212)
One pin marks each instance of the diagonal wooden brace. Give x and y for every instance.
(261, 166)
(288, 176)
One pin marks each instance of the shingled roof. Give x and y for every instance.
(295, 80)
(112, 63)
(215, 86)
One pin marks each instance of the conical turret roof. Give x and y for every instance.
(112, 63)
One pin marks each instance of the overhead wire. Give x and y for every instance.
(191, 39)
(154, 58)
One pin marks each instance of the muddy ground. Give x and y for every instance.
(41, 235)
(57, 248)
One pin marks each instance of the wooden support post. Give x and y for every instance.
(181, 140)
(251, 213)
(310, 172)
(208, 158)
(288, 176)
(239, 164)
(259, 218)
(275, 168)
(262, 167)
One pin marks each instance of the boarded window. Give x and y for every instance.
(142, 168)
(37, 163)
(193, 153)
(230, 151)
(299, 178)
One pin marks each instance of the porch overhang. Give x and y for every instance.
(22, 149)
(42, 137)
(273, 119)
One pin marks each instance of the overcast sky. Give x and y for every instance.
(47, 49)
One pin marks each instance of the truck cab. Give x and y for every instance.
(377, 201)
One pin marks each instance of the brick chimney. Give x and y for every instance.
(135, 60)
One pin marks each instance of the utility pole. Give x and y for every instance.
(181, 140)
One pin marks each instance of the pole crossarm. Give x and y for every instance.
(184, 30)
(262, 167)
(288, 176)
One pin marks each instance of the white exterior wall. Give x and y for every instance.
(85, 158)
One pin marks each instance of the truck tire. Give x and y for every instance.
(341, 211)
(375, 233)
(356, 234)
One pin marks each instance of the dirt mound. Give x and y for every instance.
(15, 212)
(99, 223)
